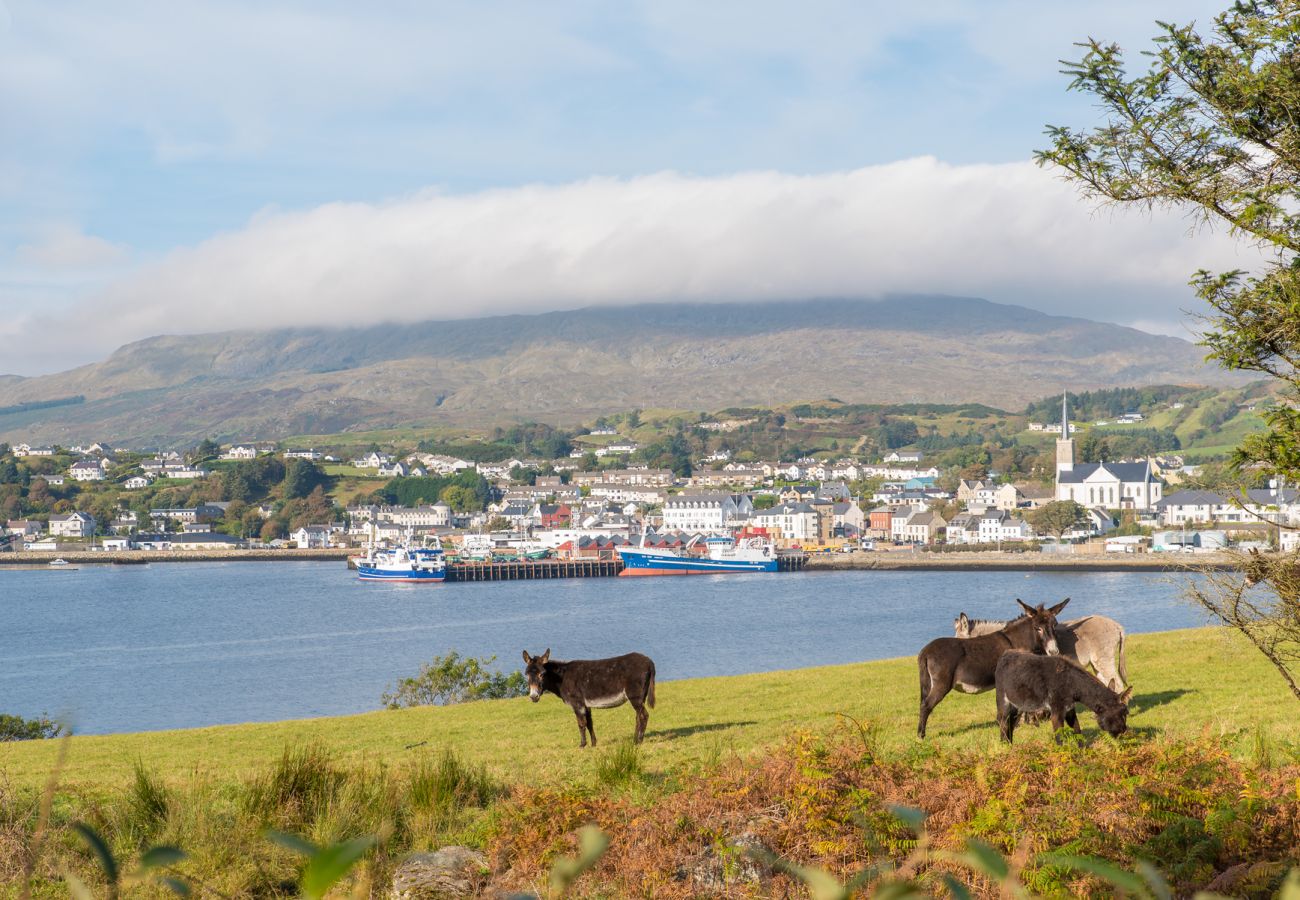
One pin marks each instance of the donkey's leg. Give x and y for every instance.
(642, 717)
(1072, 719)
(590, 730)
(939, 686)
(1006, 717)
(1058, 721)
(582, 727)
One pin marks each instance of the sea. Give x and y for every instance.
(178, 645)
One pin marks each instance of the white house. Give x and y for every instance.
(795, 521)
(240, 452)
(904, 456)
(435, 516)
(393, 470)
(77, 524)
(187, 472)
(88, 469)
(135, 482)
(311, 537)
(372, 460)
(703, 512)
(312, 454)
(921, 527)
(618, 447)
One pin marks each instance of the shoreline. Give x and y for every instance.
(993, 561)
(881, 561)
(138, 557)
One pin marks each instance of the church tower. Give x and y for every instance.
(1064, 444)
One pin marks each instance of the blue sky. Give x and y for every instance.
(154, 151)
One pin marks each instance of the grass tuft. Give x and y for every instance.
(296, 790)
(148, 803)
(620, 765)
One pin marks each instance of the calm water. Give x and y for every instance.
(128, 648)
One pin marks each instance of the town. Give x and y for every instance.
(598, 490)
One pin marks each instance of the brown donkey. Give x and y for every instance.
(587, 684)
(968, 664)
(1039, 684)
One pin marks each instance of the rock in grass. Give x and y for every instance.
(449, 873)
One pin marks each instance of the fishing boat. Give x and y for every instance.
(402, 563)
(59, 562)
(723, 555)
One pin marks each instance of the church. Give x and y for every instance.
(1105, 484)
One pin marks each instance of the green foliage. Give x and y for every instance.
(415, 491)
(16, 728)
(325, 866)
(301, 477)
(454, 679)
(592, 844)
(1057, 517)
(1210, 128)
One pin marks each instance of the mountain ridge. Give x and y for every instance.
(563, 366)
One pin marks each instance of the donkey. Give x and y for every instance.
(969, 663)
(587, 684)
(1095, 640)
(1036, 684)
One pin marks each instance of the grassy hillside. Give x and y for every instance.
(1186, 683)
(804, 762)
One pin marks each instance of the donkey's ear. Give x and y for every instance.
(963, 621)
(527, 658)
(545, 656)
(1055, 610)
(1124, 697)
(1025, 606)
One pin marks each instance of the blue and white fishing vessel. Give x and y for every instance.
(403, 564)
(724, 555)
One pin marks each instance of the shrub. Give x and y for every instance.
(16, 728)
(454, 679)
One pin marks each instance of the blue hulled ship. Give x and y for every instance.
(724, 555)
(403, 564)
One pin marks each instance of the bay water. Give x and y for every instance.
(176, 645)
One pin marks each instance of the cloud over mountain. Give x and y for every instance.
(1008, 231)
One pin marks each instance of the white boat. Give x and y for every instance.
(59, 562)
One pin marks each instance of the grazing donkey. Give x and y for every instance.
(1095, 640)
(969, 663)
(1036, 684)
(587, 684)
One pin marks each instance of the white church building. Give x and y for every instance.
(1105, 484)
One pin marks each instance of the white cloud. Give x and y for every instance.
(64, 247)
(1009, 232)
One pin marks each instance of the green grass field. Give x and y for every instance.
(810, 758)
(1187, 683)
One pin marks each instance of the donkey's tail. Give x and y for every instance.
(650, 687)
(923, 664)
(1123, 666)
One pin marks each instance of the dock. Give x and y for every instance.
(526, 570)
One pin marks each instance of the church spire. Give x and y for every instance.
(1064, 446)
